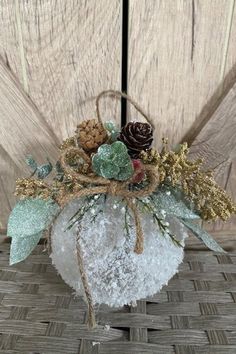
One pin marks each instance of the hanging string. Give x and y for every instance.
(118, 94)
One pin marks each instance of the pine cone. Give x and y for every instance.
(137, 137)
(91, 134)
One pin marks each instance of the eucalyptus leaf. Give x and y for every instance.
(30, 161)
(112, 129)
(203, 236)
(31, 216)
(21, 247)
(110, 126)
(173, 202)
(114, 135)
(44, 170)
(41, 171)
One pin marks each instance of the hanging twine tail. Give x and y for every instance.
(91, 312)
(139, 245)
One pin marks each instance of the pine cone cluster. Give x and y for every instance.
(91, 134)
(137, 137)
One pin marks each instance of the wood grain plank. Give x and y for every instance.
(180, 72)
(23, 129)
(176, 64)
(64, 53)
(216, 143)
(8, 174)
(220, 154)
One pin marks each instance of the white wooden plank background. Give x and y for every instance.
(63, 53)
(181, 63)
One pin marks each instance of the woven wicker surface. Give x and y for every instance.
(194, 314)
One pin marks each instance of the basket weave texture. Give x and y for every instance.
(194, 314)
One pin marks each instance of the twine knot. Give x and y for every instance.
(113, 188)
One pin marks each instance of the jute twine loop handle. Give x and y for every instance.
(98, 185)
(114, 93)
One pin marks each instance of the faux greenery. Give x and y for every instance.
(113, 162)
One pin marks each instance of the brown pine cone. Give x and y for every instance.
(137, 137)
(91, 134)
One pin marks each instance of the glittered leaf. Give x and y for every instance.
(119, 148)
(30, 161)
(172, 201)
(114, 135)
(110, 126)
(112, 129)
(113, 161)
(203, 236)
(96, 162)
(109, 170)
(21, 247)
(104, 151)
(125, 173)
(44, 170)
(122, 160)
(59, 171)
(31, 216)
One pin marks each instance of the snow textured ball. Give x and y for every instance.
(116, 274)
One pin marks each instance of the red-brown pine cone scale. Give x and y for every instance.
(137, 137)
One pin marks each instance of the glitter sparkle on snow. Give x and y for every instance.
(116, 274)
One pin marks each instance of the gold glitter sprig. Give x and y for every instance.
(199, 186)
(69, 142)
(32, 187)
(57, 190)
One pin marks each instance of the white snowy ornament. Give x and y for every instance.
(116, 274)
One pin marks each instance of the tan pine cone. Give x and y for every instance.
(91, 134)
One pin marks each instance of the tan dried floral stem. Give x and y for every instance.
(114, 93)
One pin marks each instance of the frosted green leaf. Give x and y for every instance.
(125, 173)
(104, 151)
(122, 160)
(119, 148)
(110, 126)
(44, 170)
(172, 202)
(31, 216)
(203, 236)
(112, 129)
(109, 170)
(113, 161)
(30, 161)
(96, 162)
(41, 171)
(21, 247)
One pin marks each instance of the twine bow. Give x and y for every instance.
(99, 185)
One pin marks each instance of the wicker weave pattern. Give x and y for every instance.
(194, 314)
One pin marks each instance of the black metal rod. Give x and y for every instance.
(124, 60)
